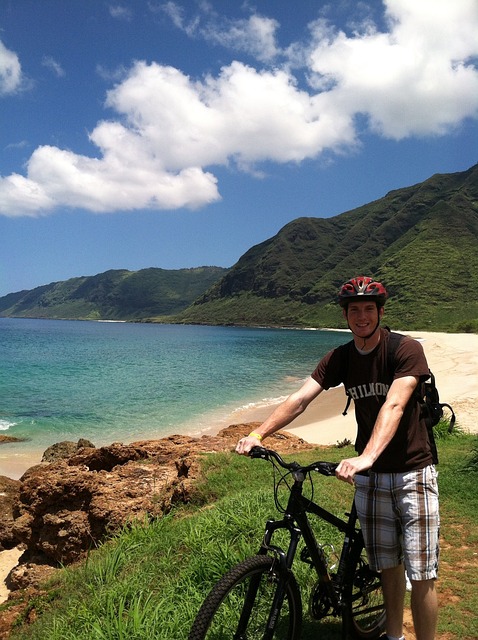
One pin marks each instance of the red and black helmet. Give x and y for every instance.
(362, 286)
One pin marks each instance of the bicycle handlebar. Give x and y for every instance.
(325, 468)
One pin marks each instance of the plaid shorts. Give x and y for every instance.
(400, 520)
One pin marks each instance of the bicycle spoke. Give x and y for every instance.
(364, 614)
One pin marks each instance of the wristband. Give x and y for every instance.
(254, 434)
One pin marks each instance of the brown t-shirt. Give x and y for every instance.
(367, 380)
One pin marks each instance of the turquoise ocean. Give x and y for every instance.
(121, 382)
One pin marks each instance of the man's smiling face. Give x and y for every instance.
(362, 317)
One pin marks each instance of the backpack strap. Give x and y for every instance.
(347, 404)
(394, 340)
(344, 351)
(453, 417)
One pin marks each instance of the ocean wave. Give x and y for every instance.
(259, 404)
(6, 424)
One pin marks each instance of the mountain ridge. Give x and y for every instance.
(397, 239)
(116, 294)
(420, 240)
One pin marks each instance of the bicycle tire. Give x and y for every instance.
(219, 615)
(363, 613)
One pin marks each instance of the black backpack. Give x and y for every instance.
(426, 393)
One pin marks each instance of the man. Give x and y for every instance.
(395, 481)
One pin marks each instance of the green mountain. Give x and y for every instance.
(114, 295)
(421, 241)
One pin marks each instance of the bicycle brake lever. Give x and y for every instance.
(326, 468)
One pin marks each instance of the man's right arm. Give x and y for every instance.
(283, 415)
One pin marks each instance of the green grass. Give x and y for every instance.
(458, 589)
(149, 581)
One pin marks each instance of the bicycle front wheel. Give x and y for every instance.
(364, 610)
(253, 601)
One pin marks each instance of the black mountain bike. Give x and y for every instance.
(260, 599)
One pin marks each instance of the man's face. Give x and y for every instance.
(362, 317)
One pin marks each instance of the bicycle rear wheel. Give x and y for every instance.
(239, 606)
(364, 610)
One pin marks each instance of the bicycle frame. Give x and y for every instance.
(352, 593)
(296, 522)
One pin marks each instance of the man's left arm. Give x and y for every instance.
(384, 429)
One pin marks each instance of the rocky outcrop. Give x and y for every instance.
(9, 492)
(5, 439)
(62, 508)
(65, 449)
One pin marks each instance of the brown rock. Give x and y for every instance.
(5, 439)
(9, 492)
(107, 458)
(26, 574)
(70, 505)
(65, 449)
(282, 441)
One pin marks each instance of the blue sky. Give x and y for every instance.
(180, 134)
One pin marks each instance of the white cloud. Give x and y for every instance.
(20, 196)
(417, 77)
(177, 16)
(17, 145)
(120, 12)
(10, 71)
(255, 36)
(121, 180)
(50, 63)
(242, 114)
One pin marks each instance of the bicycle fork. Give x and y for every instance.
(284, 561)
(247, 610)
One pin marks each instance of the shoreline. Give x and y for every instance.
(453, 358)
